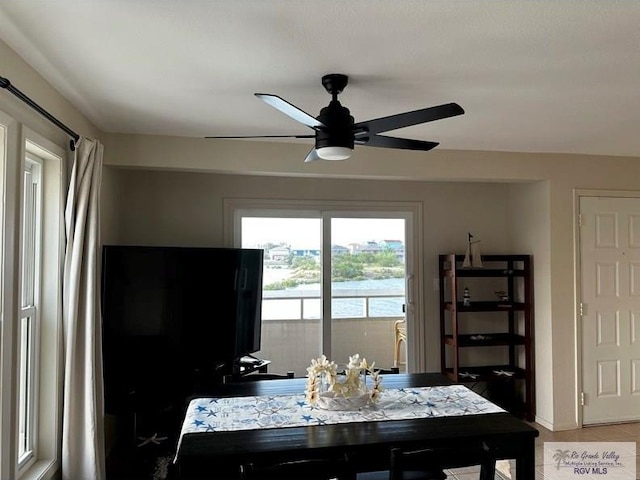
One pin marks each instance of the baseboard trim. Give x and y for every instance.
(556, 427)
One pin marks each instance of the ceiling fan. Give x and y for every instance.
(336, 133)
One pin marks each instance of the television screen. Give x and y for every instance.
(170, 311)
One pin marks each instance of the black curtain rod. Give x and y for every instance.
(5, 83)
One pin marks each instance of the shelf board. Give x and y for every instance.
(484, 272)
(484, 306)
(495, 258)
(485, 374)
(491, 340)
(453, 263)
(489, 272)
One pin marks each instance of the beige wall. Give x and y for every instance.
(535, 214)
(29, 82)
(530, 232)
(160, 207)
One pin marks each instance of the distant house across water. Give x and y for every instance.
(282, 254)
(338, 250)
(305, 253)
(279, 254)
(396, 245)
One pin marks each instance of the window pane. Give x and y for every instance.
(28, 237)
(367, 287)
(24, 388)
(291, 328)
(28, 344)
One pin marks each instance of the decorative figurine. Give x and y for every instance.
(472, 258)
(466, 297)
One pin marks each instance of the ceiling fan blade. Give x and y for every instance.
(393, 142)
(266, 136)
(290, 110)
(407, 119)
(312, 156)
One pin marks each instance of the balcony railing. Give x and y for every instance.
(306, 304)
(361, 323)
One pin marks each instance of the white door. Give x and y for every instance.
(610, 296)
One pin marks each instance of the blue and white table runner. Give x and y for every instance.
(293, 410)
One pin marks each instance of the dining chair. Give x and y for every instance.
(313, 468)
(431, 463)
(400, 336)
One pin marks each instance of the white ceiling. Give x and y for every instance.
(533, 76)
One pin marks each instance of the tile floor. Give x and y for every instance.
(624, 432)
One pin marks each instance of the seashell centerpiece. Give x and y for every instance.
(348, 390)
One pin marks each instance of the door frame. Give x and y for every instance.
(577, 196)
(416, 343)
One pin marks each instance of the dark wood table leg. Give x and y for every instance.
(526, 461)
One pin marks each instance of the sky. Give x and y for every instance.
(305, 233)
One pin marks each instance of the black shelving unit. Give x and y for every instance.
(509, 384)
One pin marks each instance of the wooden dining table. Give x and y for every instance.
(219, 454)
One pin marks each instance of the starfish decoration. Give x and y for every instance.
(155, 439)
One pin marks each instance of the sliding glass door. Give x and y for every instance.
(367, 287)
(291, 305)
(335, 283)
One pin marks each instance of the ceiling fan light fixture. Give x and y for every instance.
(334, 153)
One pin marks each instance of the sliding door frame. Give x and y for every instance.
(235, 208)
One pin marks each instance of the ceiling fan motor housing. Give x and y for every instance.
(339, 127)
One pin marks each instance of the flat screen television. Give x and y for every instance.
(168, 312)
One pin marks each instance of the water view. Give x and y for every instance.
(352, 299)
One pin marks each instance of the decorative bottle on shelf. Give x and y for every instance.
(466, 297)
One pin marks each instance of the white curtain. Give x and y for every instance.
(83, 414)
